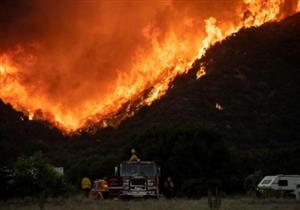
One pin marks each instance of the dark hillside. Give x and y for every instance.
(254, 75)
(20, 136)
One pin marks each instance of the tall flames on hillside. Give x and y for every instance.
(78, 64)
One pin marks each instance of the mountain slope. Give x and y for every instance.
(254, 75)
(21, 136)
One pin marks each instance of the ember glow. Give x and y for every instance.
(219, 107)
(78, 64)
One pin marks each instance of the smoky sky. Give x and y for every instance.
(83, 45)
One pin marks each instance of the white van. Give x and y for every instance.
(289, 183)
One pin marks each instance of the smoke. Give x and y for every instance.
(82, 47)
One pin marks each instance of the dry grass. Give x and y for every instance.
(161, 204)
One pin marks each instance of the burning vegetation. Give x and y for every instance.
(78, 64)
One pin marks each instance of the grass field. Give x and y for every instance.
(161, 204)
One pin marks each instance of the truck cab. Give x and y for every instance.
(135, 179)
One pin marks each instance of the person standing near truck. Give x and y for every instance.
(86, 185)
(169, 188)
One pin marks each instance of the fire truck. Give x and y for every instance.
(135, 179)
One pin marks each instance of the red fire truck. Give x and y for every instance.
(135, 179)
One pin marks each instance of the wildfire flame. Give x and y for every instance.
(201, 72)
(152, 69)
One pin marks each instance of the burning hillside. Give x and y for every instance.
(76, 63)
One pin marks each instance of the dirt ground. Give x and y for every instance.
(161, 204)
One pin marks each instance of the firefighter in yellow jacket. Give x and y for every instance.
(133, 157)
(86, 185)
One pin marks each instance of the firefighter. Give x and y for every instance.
(169, 188)
(86, 185)
(133, 157)
(104, 188)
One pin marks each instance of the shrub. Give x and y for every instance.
(34, 176)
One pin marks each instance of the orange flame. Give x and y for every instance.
(261, 11)
(201, 72)
(256, 13)
(214, 35)
(151, 71)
